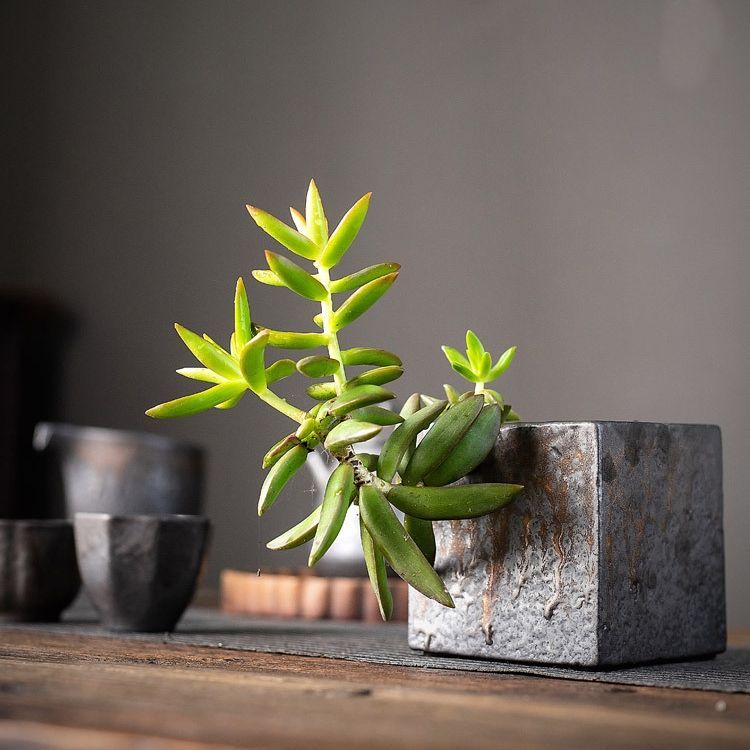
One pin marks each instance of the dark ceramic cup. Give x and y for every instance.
(140, 571)
(38, 572)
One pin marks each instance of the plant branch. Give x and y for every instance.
(282, 405)
(334, 350)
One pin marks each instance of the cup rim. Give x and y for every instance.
(177, 517)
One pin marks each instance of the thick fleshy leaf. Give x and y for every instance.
(242, 322)
(360, 278)
(197, 402)
(339, 494)
(354, 398)
(362, 355)
(465, 372)
(252, 362)
(269, 278)
(503, 363)
(284, 234)
(201, 373)
(303, 532)
(280, 369)
(345, 232)
(294, 340)
(349, 432)
(474, 350)
(233, 350)
(377, 572)
(451, 393)
(318, 320)
(281, 472)
(455, 357)
(276, 451)
(398, 547)
(318, 366)
(376, 415)
(209, 353)
(450, 503)
(378, 376)
(295, 277)
(362, 300)
(231, 403)
(315, 218)
(321, 391)
(484, 366)
(299, 221)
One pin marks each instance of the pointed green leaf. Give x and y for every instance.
(398, 548)
(422, 533)
(503, 363)
(451, 393)
(284, 234)
(403, 436)
(338, 496)
(493, 397)
(362, 300)
(345, 232)
(474, 350)
(299, 221)
(232, 402)
(280, 369)
(376, 415)
(233, 350)
(281, 472)
(354, 398)
(303, 532)
(318, 366)
(465, 372)
(349, 432)
(455, 357)
(318, 320)
(368, 460)
(197, 402)
(411, 405)
(451, 503)
(276, 451)
(242, 323)
(376, 572)
(315, 218)
(378, 376)
(251, 361)
(293, 340)
(295, 277)
(201, 373)
(360, 278)
(321, 391)
(512, 416)
(484, 366)
(362, 355)
(209, 353)
(269, 278)
(442, 438)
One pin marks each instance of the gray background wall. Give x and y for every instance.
(570, 177)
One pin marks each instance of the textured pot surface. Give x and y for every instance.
(140, 571)
(38, 571)
(612, 554)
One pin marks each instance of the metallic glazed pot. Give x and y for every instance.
(613, 553)
(140, 571)
(123, 472)
(38, 572)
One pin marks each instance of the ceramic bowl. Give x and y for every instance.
(38, 572)
(140, 571)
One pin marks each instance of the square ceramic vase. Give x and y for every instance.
(613, 554)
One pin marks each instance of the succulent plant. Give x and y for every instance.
(408, 474)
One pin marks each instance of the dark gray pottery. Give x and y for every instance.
(612, 554)
(140, 571)
(38, 572)
(122, 472)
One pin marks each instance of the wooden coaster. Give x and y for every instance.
(300, 594)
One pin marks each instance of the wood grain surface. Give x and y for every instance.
(63, 691)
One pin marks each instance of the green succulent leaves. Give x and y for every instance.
(409, 474)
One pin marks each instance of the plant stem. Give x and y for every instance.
(282, 405)
(478, 387)
(334, 350)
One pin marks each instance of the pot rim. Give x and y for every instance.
(575, 422)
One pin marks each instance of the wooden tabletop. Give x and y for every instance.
(86, 693)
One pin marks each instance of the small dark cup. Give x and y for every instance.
(38, 572)
(140, 571)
